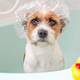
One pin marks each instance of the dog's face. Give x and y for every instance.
(43, 26)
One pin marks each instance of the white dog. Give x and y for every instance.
(42, 23)
(42, 50)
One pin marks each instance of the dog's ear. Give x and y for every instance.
(24, 22)
(63, 23)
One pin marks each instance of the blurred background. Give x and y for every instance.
(6, 5)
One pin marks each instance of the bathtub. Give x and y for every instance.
(12, 49)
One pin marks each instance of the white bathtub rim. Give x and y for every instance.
(56, 75)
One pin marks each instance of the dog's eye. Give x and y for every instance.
(34, 22)
(52, 22)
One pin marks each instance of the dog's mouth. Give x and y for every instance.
(42, 40)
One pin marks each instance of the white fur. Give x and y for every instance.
(42, 59)
(50, 38)
(44, 12)
(43, 56)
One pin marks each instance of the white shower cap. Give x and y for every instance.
(58, 6)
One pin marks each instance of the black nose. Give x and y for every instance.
(42, 33)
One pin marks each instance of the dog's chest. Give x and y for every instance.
(42, 59)
(46, 58)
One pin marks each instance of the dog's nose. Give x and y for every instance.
(42, 33)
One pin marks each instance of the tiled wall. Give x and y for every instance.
(8, 4)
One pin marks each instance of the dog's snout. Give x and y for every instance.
(42, 33)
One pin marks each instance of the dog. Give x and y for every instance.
(43, 53)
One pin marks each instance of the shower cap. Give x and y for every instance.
(58, 6)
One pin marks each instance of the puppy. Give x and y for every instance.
(43, 53)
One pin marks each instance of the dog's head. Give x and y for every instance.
(42, 25)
